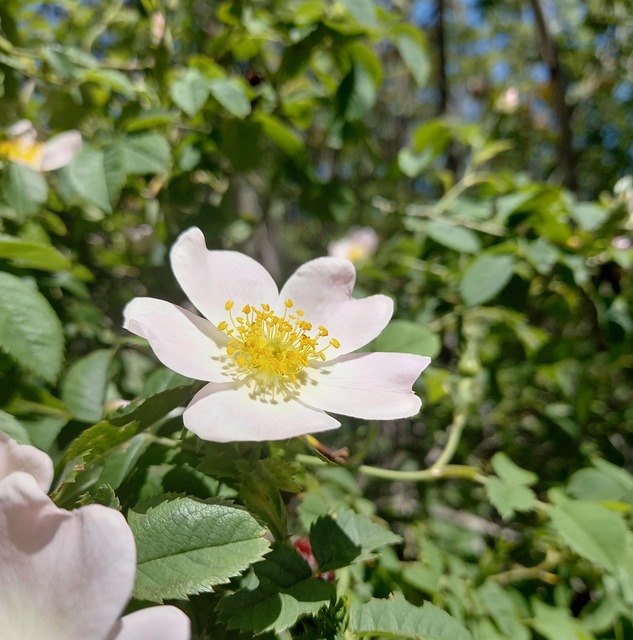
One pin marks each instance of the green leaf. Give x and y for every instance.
(231, 94)
(397, 617)
(279, 473)
(485, 278)
(97, 175)
(111, 79)
(412, 164)
(404, 336)
(347, 537)
(357, 93)
(540, 253)
(509, 492)
(84, 386)
(590, 216)
(510, 472)
(363, 11)
(148, 411)
(286, 590)
(556, 624)
(12, 427)
(190, 91)
(147, 153)
(30, 331)
(508, 498)
(186, 547)
(32, 255)
(97, 440)
(453, 236)
(280, 134)
(24, 188)
(592, 531)
(412, 47)
(501, 606)
(603, 482)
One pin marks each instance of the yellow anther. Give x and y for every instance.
(335, 343)
(228, 305)
(272, 350)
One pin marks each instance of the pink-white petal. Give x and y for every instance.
(211, 278)
(367, 385)
(156, 623)
(23, 457)
(60, 149)
(227, 413)
(322, 289)
(64, 575)
(181, 340)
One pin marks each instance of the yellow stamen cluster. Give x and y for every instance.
(19, 150)
(267, 345)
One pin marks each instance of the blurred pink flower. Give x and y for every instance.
(357, 245)
(508, 101)
(275, 362)
(22, 147)
(67, 575)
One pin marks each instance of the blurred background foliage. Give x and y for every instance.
(488, 145)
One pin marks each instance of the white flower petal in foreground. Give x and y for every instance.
(23, 457)
(67, 575)
(275, 362)
(22, 146)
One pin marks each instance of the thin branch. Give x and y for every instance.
(550, 55)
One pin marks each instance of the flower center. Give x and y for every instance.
(24, 151)
(271, 348)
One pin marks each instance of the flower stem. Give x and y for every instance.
(455, 434)
(426, 475)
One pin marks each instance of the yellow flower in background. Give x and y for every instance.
(357, 245)
(21, 146)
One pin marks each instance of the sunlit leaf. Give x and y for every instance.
(190, 91)
(30, 331)
(485, 278)
(230, 93)
(397, 617)
(592, 531)
(84, 386)
(187, 547)
(24, 188)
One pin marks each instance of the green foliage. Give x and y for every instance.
(592, 531)
(186, 547)
(30, 331)
(395, 617)
(285, 591)
(346, 537)
(84, 386)
(404, 336)
(510, 492)
(276, 128)
(24, 189)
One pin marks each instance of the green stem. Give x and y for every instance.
(426, 475)
(455, 434)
